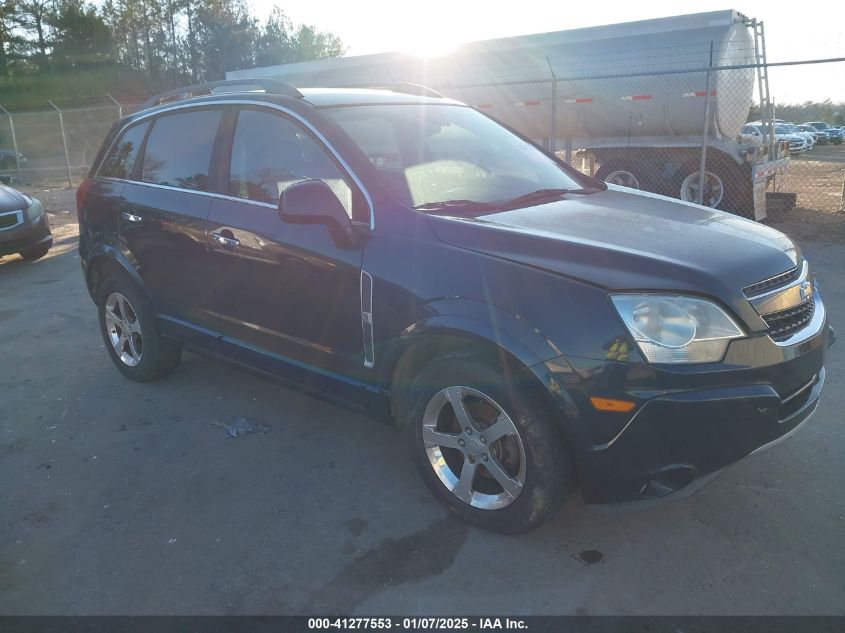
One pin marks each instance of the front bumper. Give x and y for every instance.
(675, 440)
(690, 422)
(26, 236)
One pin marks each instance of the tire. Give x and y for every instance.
(735, 183)
(531, 453)
(36, 253)
(625, 175)
(148, 356)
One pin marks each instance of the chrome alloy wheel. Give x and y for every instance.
(124, 329)
(623, 179)
(474, 447)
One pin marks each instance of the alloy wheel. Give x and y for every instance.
(123, 329)
(474, 447)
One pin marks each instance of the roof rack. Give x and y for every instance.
(404, 88)
(269, 86)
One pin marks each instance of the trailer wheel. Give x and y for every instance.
(726, 187)
(624, 175)
(714, 189)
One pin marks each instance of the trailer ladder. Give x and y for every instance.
(767, 114)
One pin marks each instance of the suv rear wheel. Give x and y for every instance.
(129, 329)
(486, 446)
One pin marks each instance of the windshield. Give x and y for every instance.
(432, 154)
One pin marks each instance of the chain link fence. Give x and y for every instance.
(56, 142)
(659, 129)
(669, 131)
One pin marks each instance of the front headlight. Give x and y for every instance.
(677, 329)
(35, 210)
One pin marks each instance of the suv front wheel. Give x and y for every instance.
(129, 329)
(485, 445)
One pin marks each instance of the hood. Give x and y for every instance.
(626, 240)
(11, 200)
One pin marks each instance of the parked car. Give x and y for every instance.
(809, 136)
(818, 137)
(7, 159)
(835, 135)
(752, 133)
(526, 326)
(828, 130)
(798, 143)
(24, 227)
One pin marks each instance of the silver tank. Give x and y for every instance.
(596, 96)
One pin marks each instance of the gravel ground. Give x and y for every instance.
(121, 498)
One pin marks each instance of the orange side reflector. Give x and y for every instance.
(609, 404)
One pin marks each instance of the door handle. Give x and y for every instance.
(225, 241)
(131, 216)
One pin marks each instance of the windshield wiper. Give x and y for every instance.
(457, 206)
(545, 194)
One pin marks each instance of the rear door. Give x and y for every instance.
(291, 290)
(163, 222)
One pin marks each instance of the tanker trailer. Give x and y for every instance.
(635, 100)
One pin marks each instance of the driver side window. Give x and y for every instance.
(270, 153)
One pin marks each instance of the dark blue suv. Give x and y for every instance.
(529, 329)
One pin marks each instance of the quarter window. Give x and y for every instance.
(178, 151)
(121, 158)
(270, 153)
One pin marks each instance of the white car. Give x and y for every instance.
(796, 129)
(809, 129)
(752, 134)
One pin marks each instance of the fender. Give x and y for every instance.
(485, 323)
(498, 329)
(97, 253)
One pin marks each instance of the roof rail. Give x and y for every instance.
(269, 86)
(404, 88)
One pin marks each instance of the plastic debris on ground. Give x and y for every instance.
(239, 425)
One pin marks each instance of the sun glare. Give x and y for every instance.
(430, 47)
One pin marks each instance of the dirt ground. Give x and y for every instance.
(125, 498)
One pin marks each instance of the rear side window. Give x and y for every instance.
(270, 153)
(121, 158)
(178, 151)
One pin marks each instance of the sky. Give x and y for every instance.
(435, 26)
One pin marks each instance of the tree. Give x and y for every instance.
(282, 43)
(226, 35)
(169, 41)
(33, 17)
(81, 36)
(7, 38)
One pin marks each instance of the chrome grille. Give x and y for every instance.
(785, 323)
(783, 279)
(10, 219)
(785, 302)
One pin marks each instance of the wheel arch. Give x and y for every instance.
(106, 262)
(412, 352)
(522, 359)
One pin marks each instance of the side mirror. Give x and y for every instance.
(313, 202)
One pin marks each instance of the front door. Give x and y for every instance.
(286, 290)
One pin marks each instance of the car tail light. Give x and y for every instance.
(81, 193)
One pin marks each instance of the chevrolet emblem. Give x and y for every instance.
(805, 290)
